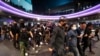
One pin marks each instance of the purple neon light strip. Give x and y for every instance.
(40, 15)
(7, 10)
(85, 11)
(20, 14)
(45, 17)
(92, 12)
(85, 14)
(12, 8)
(78, 13)
(53, 17)
(37, 16)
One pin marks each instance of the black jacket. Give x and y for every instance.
(58, 37)
(24, 36)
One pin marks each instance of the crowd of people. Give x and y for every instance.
(61, 38)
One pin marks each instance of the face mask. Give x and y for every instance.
(74, 28)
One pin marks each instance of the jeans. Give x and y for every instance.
(2, 36)
(75, 51)
(5, 36)
(80, 49)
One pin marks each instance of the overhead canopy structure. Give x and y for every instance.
(15, 11)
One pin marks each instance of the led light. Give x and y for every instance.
(13, 10)
(5, 9)
(89, 13)
(35, 15)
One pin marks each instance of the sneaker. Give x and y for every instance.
(36, 51)
(33, 48)
(26, 54)
(36, 45)
(41, 43)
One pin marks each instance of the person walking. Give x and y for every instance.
(72, 40)
(87, 37)
(80, 32)
(57, 39)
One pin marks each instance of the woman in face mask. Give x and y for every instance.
(72, 40)
(74, 27)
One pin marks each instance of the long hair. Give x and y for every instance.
(88, 25)
(70, 26)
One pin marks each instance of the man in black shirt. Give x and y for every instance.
(57, 39)
(80, 32)
(24, 36)
(23, 41)
(38, 35)
(14, 32)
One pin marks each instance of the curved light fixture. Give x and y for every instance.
(11, 11)
(12, 8)
(85, 14)
(92, 10)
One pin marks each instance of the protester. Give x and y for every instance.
(14, 32)
(87, 38)
(23, 40)
(57, 39)
(59, 36)
(72, 40)
(97, 34)
(80, 32)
